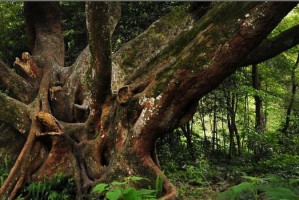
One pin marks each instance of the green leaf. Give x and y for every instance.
(99, 188)
(130, 194)
(113, 194)
(53, 195)
(252, 178)
(136, 178)
(147, 194)
(281, 193)
(235, 191)
(243, 186)
(159, 185)
(293, 181)
(117, 183)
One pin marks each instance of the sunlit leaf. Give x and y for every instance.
(113, 194)
(99, 188)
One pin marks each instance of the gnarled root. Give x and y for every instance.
(19, 171)
(170, 190)
(17, 187)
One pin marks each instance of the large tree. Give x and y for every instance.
(98, 119)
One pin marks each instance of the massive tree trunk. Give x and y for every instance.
(110, 109)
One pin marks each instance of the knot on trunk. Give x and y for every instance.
(124, 94)
(48, 124)
(27, 65)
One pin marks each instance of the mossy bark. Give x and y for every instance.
(109, 135)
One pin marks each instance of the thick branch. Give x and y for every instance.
(100, 48)
(16, 86)
(185, 71)
(139, 51)
(222, 53)
(273, 46)
(14, 113)
(18, 172)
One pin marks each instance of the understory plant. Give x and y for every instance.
(58, 188)
(122, 189)
(271, 187)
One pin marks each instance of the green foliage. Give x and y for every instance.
(289, 21)
(284, 165)
(245, 189)
(13, 39)
(58, 188)
(122, 190)
(4, 169)
(136, 17)
(159, 185)
(74, 29)
(271, 187)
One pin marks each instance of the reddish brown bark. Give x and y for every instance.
(108, 136)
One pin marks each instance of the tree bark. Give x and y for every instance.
(160, 76)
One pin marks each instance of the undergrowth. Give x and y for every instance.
(121, 190)
(60, 187)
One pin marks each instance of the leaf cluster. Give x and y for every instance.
(59, 187)
(271, 187)
(121, 190)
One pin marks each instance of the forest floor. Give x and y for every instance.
(271, 178)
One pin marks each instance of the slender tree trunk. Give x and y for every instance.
(203, 124)
(292, 100)
(229, 115)
(187, 131)
(214, 130)
(237, 135)
(232, 146)
(259, 114)
(223, 134)
(232, 105)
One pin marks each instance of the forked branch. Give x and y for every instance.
(273, 46)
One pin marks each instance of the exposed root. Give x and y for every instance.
(77, 178)
(18, 172)
(154, 155)
(80, 175)
(16, 188)
(170, 190)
